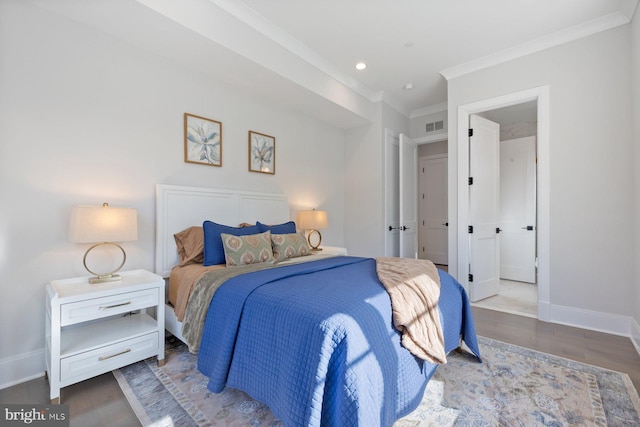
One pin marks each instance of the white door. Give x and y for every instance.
(484, 208)
(408, 198)
(392, 194)
(518, 209)
(433, 239)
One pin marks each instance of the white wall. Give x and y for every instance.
(418, 124)
(86, 118)
(364, 182)
(433, 148)
(635, 73)
(591, 167)
(363, 192)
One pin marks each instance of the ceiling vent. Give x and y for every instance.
(435, 126)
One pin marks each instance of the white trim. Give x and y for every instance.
(431, 138)
(576, 32)
(592, 320)
(433, 157)
(541, 94)
(635, 334)
(388, 133)
(22, 367)
(276, 34)
(430, 109)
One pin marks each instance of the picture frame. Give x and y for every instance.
(262, 153)
(202, 140)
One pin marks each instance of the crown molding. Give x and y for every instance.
(429, 109)
(254, 20)
(576, 32)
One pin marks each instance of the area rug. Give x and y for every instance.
(514, 386)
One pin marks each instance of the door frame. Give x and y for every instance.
(389, 135)
(458, 242)
(408, 219)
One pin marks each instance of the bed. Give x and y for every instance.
(312, 337)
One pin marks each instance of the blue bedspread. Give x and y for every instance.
(316, 343)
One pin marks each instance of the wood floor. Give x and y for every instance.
(99, 401)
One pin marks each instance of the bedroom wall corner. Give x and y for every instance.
(635, 86)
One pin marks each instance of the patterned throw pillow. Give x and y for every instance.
(243, 250)
(290, 245)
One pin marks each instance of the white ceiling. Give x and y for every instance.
(302, 53)
(413, 41)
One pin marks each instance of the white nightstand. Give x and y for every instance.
(93, 329)
(332, 250)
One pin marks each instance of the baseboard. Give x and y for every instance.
(23, 367)
(593, 320)
(635, 334)
(544, 311)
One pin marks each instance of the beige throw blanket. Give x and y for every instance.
(414, 288)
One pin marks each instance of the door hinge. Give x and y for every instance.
(470, 180)
(470, 278)
(470, 229)
(470, 133)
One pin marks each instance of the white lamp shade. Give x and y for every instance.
(93, 224)
(312, 220)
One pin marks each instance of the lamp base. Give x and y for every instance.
(315, 245)
(105, 278)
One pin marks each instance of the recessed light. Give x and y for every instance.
(408, 86)
(361, 66)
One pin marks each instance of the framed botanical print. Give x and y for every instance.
(262, 153)
(202, 140)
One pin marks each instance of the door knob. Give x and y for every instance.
(404, 228)
(528, 227)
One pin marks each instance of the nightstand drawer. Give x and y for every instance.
(91, 363)
(97, 308)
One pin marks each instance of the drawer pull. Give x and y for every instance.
(115, 305)
(101, 358)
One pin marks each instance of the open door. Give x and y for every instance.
(484, 208)
(408, 198)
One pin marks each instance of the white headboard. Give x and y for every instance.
(179, 207)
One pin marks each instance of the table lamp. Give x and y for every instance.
(313, 220)
(103, 225)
